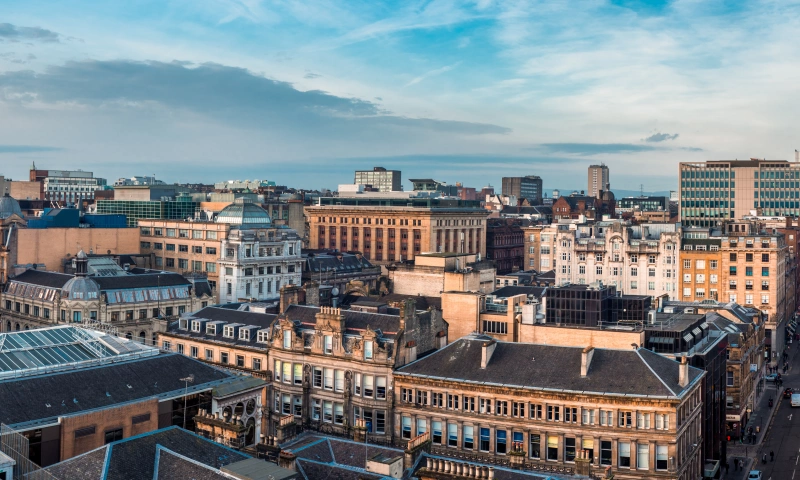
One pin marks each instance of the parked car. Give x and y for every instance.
(771, 377)
(787, 392)
(754, 475)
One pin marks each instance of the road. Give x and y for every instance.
(783, 439)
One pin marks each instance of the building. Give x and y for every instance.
(434, 273)
(431, 185)
(337, 269)
(255, 262)
(737, 263)
(577, 206)
(380, 179)
(166, 454)
(90, 389)
(386, 234)
(129, 301)
(598, 180)
(181, 207)
(636, 259)
(505, 244)
(528, 187)
(137, 181)
(196, 247)
(494, 399)
(69, 186)
(240, 185)
(333, 368)
(642, 204)
(11, 219)
(719, 190)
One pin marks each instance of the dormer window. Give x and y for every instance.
(244, 334)
(328, 344)
(211, 329)
(183, 323)
(368, 349)
(195, 326)
(228, 332)
(262, 336)
(287, 339)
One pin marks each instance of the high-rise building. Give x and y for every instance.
(381, 179)
(598, 180)
(717, 190)
(528, 187)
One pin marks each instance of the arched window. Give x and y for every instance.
(129, 336)
(16, 327)
(8, 326)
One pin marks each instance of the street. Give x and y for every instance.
(784, 439)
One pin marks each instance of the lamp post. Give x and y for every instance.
(187, 380)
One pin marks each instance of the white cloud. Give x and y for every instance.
(432, 73)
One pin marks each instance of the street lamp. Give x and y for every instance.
(187, 380)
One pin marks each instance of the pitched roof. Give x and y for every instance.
(172, 452)
(354, 320)
(528, 365)
(262, 320)
(422, 302)
(26, 399)
(167, 279)
(44, 279)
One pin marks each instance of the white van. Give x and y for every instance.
(796, 399)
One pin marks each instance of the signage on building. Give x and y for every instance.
(733, 418)
(753, 367)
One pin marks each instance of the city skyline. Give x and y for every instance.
(221, 90)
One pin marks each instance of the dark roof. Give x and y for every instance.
(45, 279)
(512, 290)
(120, 282)
(263, 320)
(387, 324)
(26, 399)
(175, 452)
(527, 365)
(422, 302)
(202, 287)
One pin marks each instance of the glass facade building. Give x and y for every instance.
(718, 190)
(157, 209)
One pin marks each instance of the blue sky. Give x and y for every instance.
(303, 93)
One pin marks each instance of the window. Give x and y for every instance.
(484, 446)
(624, 454)
(452, 435)
(422, 397)
(569, 449)
(605, 452)
(406, 422)
(553, 413)
(368, 349)
(469, 404)
(223, 357)
(452, 402)
(518, 409)
(642, 456)
(317, 377)
(338, 380)
(85, 431)
(194, 352)
(765, 271)
(501, 407)
(327, 413)
(651, 272)
(287, 339)
(328, 379)
(490, 326)
(687, 264)
(436, 432)
(643, 420)
(662, 421)
(485, 406)
(634, 271)
(328, 339)
(380, 387)
(552, 448)
(661, 457)
(422, 426)
(113, 436)
(625, 419)
(209, 355)
(765, 299)
(606, 418)
(713, 264)
(588, 416)
(535, 445)
(536, 411)
(469, 437)
(571, 415)
(501, 441)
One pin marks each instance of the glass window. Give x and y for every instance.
(643, 456)
(605, 452)
(436, 432)
(469, 437)
(452, 435)
(368, 349)
(485, 444)
(535, 445)
(407, 427)
(552, 448)
(569, 449)
(624, 454)
(661, 457)
(501, 441)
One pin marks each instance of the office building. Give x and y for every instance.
(380, 179)
(642, 204)
(69, 186)
(528, 187)
(181, 208)
(645, 424)
(718, 190)
(598, 180)
(385, 234)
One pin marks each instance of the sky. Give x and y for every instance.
(306, 92)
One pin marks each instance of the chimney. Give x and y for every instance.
(407, 311)
(683, 373)
(289, 296)
(487, 349)
(586, 360)
(312, 293)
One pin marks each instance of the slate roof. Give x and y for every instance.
(263, 320)
(175, 452)
(44, 279)
(141, 281)
(422, 302)
(511, 290)
(26, 399)
(389, 325)
(528, 365)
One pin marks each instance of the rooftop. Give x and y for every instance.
(530, 366)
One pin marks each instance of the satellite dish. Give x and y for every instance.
(335, 291)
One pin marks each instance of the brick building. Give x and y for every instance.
(505, 244)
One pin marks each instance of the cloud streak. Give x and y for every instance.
(15, 33)
(27, 149)
(660, 137)
(432, 73)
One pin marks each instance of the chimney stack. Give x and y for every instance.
(586, 360)
(487, 349)
(683, 373)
